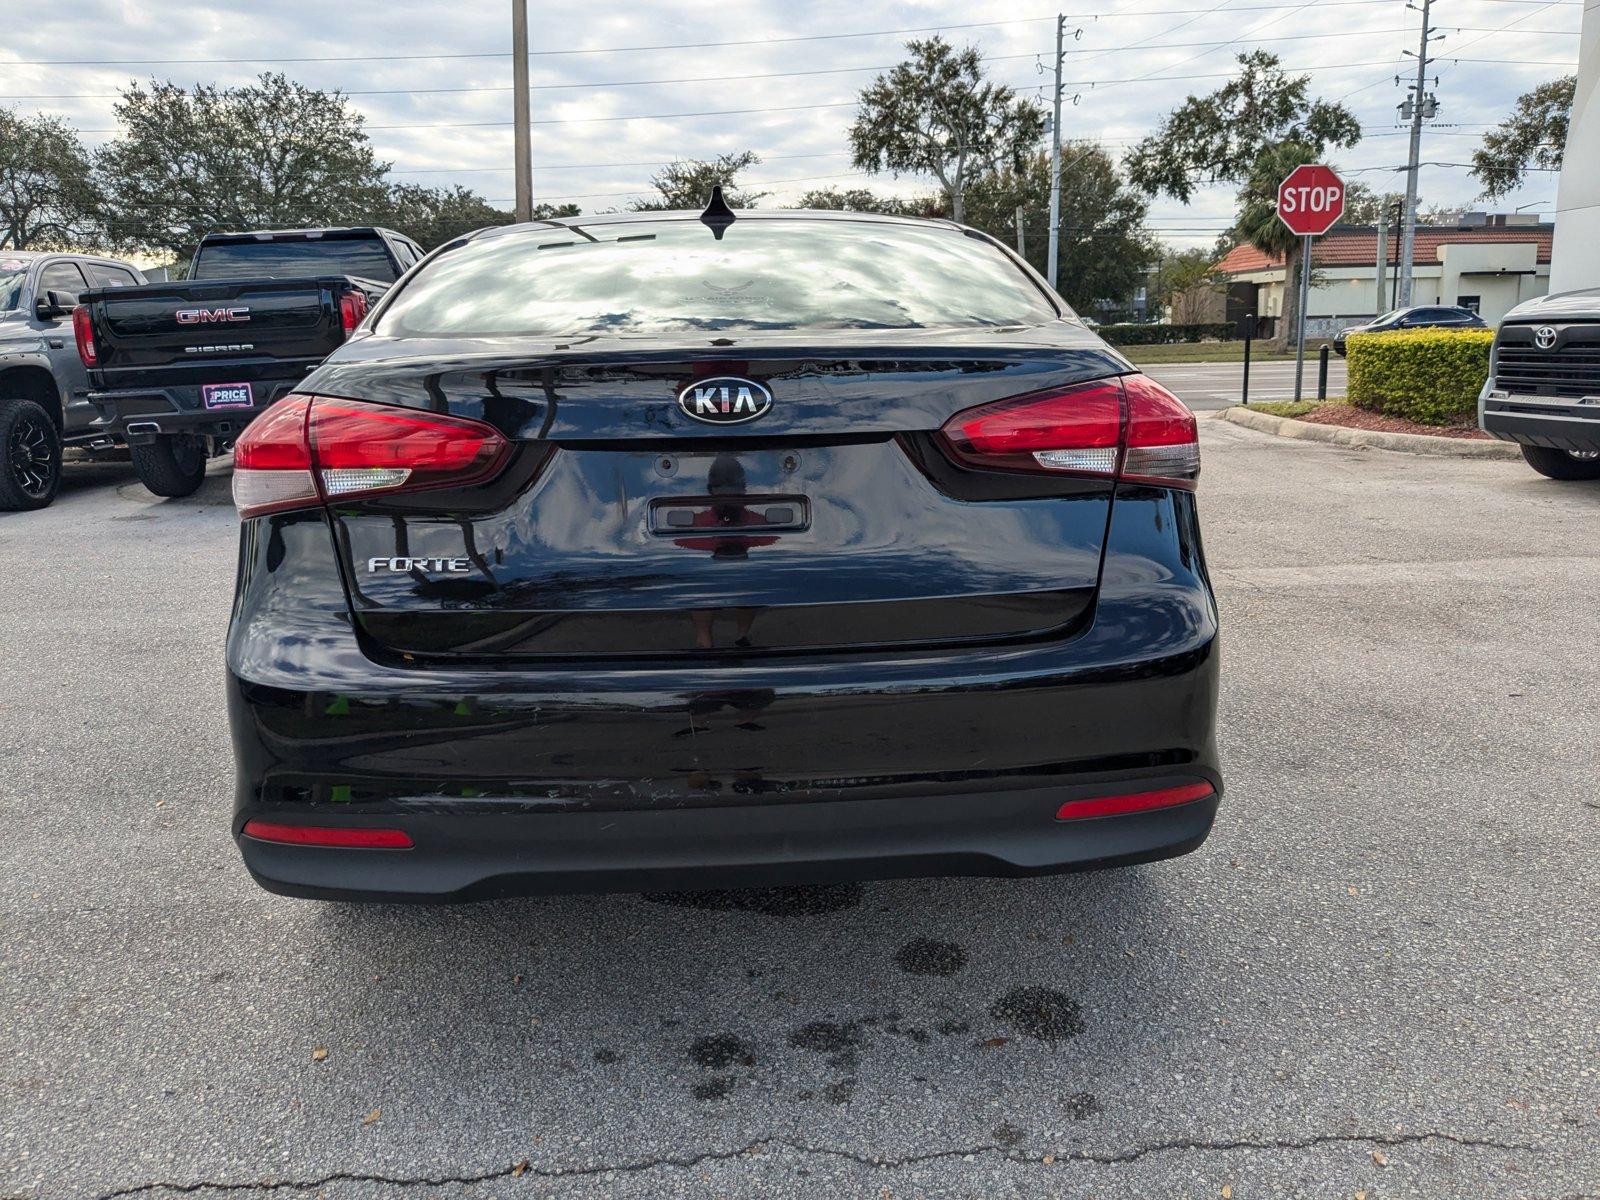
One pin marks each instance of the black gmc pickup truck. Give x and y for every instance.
(179, 369)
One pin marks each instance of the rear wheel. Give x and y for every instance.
(1563, 464)
(171, 466)
(30, 456)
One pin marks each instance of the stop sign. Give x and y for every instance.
(1311, 200)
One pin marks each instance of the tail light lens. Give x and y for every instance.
(1161, 444)
(1128, 428)
(308, 449)
(83, 334)
(352, 307)
(272, 461)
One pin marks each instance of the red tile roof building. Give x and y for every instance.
(1357, 246)
(1486, 262)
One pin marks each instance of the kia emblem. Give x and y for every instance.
(724, 400)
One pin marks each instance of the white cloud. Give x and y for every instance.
(1128, 67)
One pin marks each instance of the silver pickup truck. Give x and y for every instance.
(1543, 390)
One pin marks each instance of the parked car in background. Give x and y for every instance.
(1437, 316)
(1543, 390)
(627, 552)
(44, 389)
(180, 369)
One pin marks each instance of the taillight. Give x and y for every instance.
(83, 334)
(272, 461)
(352, 307)
(1128, 428)
(1162, 444)
(1075, 429)
(308, 449)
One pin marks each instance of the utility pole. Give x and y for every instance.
(519, 108)
(1022, 238)
(1418, 105)
(1054, 253)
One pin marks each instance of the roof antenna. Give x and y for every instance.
(717, 214)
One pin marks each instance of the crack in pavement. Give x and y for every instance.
(1106, 1158)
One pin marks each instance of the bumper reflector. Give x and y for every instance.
(329, 835)
(1111, 806)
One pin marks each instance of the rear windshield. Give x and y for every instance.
(299, 258)
(676, 276)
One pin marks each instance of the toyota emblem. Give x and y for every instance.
(1544, 337)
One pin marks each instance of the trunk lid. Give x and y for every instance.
(623, 529)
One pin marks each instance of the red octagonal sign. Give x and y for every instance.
(1311, 200)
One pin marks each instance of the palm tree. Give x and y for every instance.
(1258, 223)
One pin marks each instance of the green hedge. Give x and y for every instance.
(1166, 335)
(1428, 375)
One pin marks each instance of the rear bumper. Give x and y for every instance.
(1542, 421)
(513, 779)
(461, 857)
(140, 415)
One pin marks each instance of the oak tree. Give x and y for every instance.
(1534, 136)
(865, 200)
(1103, 246)
(47, 196)
(272, 154)
(1219, 138)
(687, 183)
(936, 114)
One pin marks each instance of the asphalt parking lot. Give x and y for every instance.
(1209, 386)
(1379, 978)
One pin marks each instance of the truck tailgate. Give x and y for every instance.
(190, 326)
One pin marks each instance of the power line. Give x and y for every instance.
(1153, 78)
(727, 112)
(593, 85)
(761, 41)
(1181, 25)
(744, 185)
(596, 85)
(1159, 71)
(660, 162)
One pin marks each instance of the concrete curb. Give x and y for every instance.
(1339, 435)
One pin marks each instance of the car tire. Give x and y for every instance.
(1561, 464)
(171, 466)
(30, 456)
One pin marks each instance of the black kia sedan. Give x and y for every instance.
(685, 550)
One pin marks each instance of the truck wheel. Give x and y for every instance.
(1563, 464)
(30, 456)
(171, 466)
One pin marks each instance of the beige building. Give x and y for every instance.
(1486, 263)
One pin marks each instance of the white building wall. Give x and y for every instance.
(1501, 276)
(1577, 249)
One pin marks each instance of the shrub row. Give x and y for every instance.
(1164, 335)
(1432, 376)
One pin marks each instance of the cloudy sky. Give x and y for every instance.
(621, 87)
